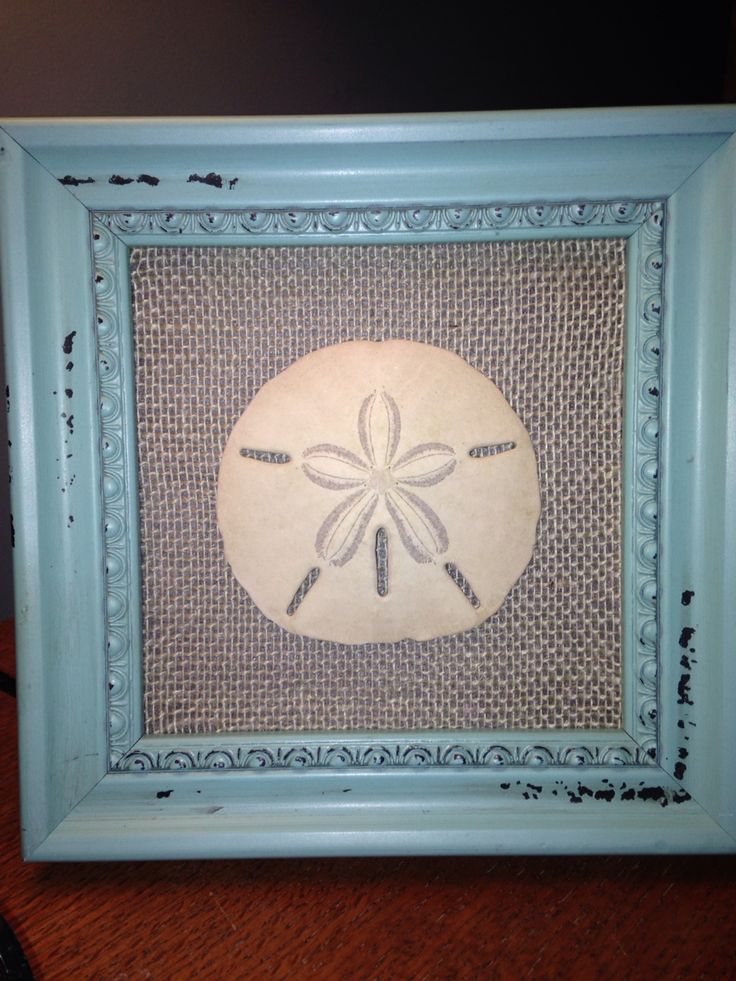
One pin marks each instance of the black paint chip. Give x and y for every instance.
(212, 179)
(686, 636)
(683, 690)
(651, 793)
(70, 181)
(140, 179)
(606, 795)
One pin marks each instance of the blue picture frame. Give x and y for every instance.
(75, 196)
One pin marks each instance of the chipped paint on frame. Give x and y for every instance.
(72, 808)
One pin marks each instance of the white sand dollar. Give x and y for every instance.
(375, 491)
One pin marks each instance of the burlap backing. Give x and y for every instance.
(544, 320)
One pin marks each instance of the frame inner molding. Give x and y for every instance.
(643, 223)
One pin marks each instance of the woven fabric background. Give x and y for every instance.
(543, 320)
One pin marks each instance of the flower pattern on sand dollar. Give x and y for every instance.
(379, 475)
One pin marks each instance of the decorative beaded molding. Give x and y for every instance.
(648, 216)
(380, 754)
(295, 221)
(116, 447)
(647, 385)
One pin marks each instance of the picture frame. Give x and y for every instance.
(77, 195)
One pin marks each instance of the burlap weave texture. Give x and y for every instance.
(544, 320)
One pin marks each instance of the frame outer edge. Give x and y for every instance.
(47, 305)
(698, 669)
(39, 222)
(496, 125)
(416, 812)
(246, 162)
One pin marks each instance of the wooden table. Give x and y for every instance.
(417, 918)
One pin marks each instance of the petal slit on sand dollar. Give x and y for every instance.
(375, 491)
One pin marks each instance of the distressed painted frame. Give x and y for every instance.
(75, 196)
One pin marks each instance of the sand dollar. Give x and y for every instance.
(375, 491)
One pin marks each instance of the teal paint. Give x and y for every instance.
(47, 304)
(365, 793)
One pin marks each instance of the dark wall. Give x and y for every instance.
(227, 57)
(273, 57)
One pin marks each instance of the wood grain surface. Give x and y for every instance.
(435, 918)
